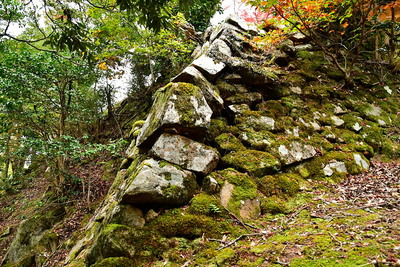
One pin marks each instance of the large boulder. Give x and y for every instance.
(188, 154)
(194, 76)
(159, 184)
(177, 107)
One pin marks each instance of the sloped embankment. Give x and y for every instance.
(233, 137)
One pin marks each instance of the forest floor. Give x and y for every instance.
(354, 223)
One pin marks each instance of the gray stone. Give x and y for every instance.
(127, 215)
(238, 22)
(252, 73)
(208, 66)
(295, 152)
(219, 47)
(336, 166)
(177, 107)
(210, 92)
(186, 153)
(337, 121)
(160, 184)
(239, 108)
(361, 162)
(34, 232)
(210, 185)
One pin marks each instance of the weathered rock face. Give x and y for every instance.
(34, 234)
(114, 241)
(179, 107)
(159, 184)
(186, 153)
(295, 152)
(194, 76)
(209, 66)
(127, 215)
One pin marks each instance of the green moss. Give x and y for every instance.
(315, 166)
(227, 142)
(273, 108)
(244, 188)
(305, 54)
(255, 120)
(244, 98)
(217, 127)
(175, 223)
(317, 91)
(273, 205)
(280, 184)
(227, 89)
(203, 204)
(258, 140)
(138, 124)
(171, 190)
(255, 162)
(114, 261)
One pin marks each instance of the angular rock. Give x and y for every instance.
(186, 153)
(219, 47)
(251, 73)
(258, 140)
(160, 184)
(114, 241)
(208, 66)
(177, 107)
(255, 120)
(337, 121)
(34, 232)
(238, 109)
(295, 152)
(361, 162)
(336, 166)
(194, 76)
(238, 22)
(239, 194)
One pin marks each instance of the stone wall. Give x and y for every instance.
(236, 130)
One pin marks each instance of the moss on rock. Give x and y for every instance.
(227, 142)
(255, 162)
(280, 184)
(205, 204)
(176, 223)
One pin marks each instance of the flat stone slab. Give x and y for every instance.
(160, 184)
(208, 66)
(188, 154)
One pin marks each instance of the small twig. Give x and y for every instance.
(295, 213)
(237, 239)
(282, 263)
(334, 238)
(252, 226)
